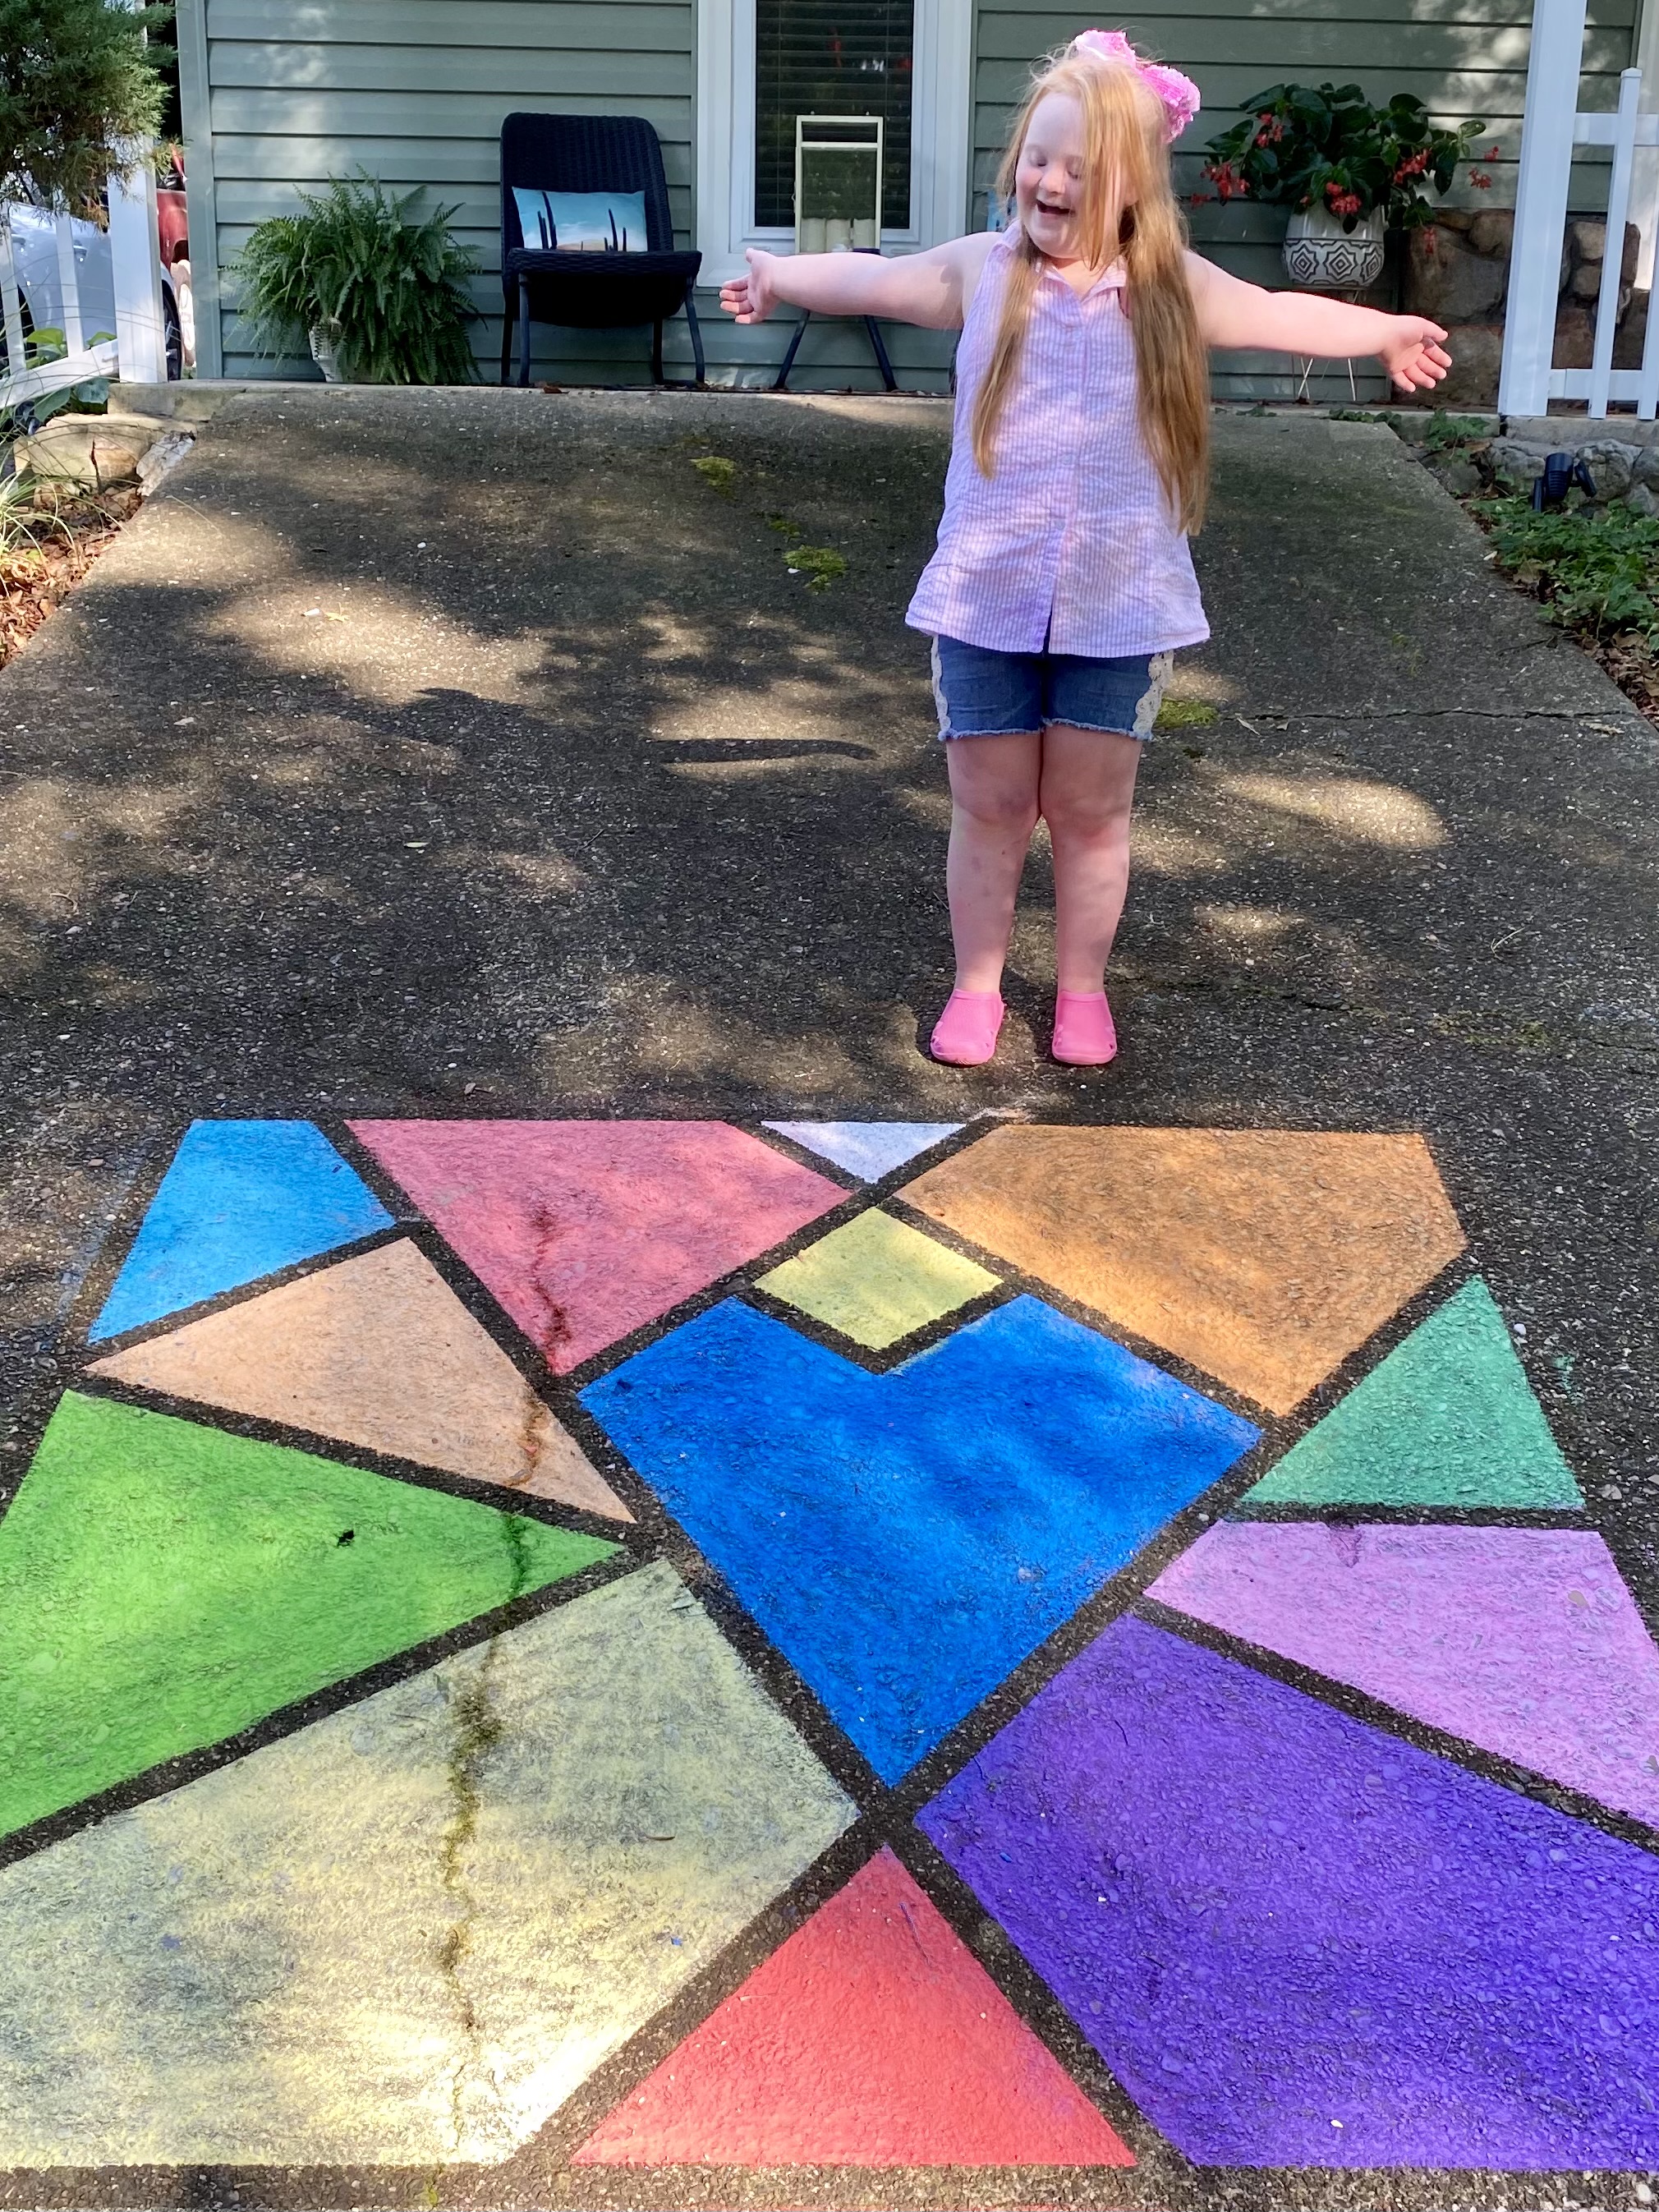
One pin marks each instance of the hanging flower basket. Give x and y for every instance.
(1347, 171)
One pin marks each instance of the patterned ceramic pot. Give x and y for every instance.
(322, 352)
(1320, 256)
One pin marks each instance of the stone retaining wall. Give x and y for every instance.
(1457, 272)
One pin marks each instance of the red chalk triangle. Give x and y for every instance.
(583, 1230)
(871, 2037)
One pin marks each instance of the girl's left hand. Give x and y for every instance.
(1412, 355)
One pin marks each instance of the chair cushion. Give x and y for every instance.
(579, 222)
(600, 291)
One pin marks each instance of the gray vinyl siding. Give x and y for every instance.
(1463, 57)
(414, 92)
(287, 92)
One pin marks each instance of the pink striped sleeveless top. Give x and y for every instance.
(1069, 546)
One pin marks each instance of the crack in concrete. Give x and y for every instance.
(477, 1729)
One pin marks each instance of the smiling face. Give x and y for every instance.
(1049, 182)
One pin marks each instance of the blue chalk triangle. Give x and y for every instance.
(240, 1200)
(868, 1150)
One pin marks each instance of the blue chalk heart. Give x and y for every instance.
(906, 1540)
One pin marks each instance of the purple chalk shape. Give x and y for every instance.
(1524, 1641)
(1297, 1941)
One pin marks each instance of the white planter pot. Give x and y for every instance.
(323, 352)
(1320, 256)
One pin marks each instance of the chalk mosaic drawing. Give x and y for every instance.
(1030, 1649)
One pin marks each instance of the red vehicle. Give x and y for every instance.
(172, 224)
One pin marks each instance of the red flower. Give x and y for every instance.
(1228, 183)
(1480, 180)
(1342, 202)
(1413, 165)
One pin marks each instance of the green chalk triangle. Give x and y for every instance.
(1447, 1419)
(163, 1585)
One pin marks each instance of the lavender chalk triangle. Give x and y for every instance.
(240, 1200)
(1447, 1419)
(1524, 1641)
(868, 1150)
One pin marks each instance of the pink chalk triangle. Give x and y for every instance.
(1523, 1641)
(873, 2037)
(586, 1230)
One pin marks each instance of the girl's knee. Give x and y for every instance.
(1007, 809)
(1086, 814)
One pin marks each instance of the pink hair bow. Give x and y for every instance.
(1178, 94)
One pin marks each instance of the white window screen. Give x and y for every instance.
(830, 58)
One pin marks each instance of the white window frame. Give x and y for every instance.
(941, 110)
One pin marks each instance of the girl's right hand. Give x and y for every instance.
(751, 298)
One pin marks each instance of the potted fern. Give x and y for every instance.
(380, 296)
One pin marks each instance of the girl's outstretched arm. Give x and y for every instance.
(932, 288)
(1233, 313)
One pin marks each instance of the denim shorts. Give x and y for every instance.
(982, 694)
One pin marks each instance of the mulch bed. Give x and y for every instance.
(34, 579)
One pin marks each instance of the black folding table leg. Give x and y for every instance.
(696, 337)
(507, 320)
(886, 366)
(781, 382)
(656, 353)
(524, 331)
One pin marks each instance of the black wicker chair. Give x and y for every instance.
(591, 291)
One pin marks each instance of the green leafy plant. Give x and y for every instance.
(385, 289)
(1449, 434)
(90, 396)
(79, 97)
(1596, 569)
(1304, 146)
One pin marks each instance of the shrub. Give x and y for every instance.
(79, 97)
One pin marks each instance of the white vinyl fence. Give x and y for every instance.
(137, 348)
(1554, 129)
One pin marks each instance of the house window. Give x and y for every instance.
(830, 58)
(761, 62)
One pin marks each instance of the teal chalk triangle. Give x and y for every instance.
(1447, 1419)
(240, 1200)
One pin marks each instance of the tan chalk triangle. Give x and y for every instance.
(377, 1350)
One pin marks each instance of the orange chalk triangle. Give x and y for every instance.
(379, 1351)
(873, 2037)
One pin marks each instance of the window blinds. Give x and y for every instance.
(830, 58)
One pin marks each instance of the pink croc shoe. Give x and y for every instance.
(965, 1034)
(1083, 1033)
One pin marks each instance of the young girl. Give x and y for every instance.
(1062, 584)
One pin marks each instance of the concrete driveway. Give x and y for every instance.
(618, 1591)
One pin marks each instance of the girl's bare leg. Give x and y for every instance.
(993, 810)
(1085, 790)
